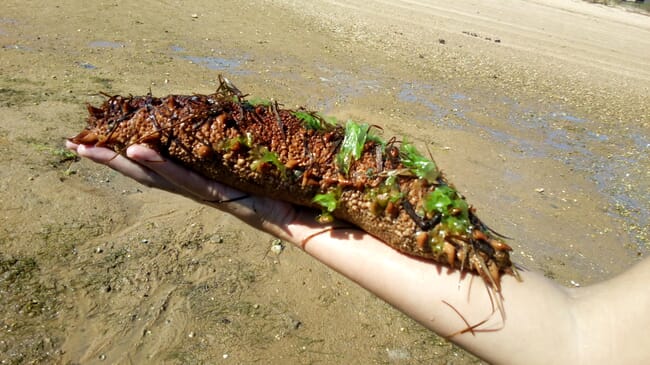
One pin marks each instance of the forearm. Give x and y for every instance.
(537, 317)
(532, 321)
(614, 317)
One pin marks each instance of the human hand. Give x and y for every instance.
(441, 299)
(422, 289)
(147, 167)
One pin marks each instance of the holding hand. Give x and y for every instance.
(538, 321)
(147, 167)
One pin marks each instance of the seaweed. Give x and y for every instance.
(258, 101)
(421, 166)
(264, 156)
(314, 121)
(352, 145)
(328, 202)
(452, 208)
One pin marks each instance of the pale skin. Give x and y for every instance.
(606, 323)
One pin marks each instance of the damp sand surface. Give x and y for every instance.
(537, 110)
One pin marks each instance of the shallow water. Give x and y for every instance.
(642, 6)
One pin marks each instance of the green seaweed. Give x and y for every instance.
(387, 192)
(314, 121)
(254, 101)
(65, 155)
(328, 203)
(391, 179)
(265, 156)
(61, 154)
(453, 209)
(229, 143)
(419, 165)
(355, 138)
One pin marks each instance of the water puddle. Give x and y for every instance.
(105, 44)
(7, 21)
(639, 6)
(343, 84)
(413, 93)
(230, 66)
(557, 135)
(17, 47)
(86, 65)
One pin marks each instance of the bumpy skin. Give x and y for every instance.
(265, 150)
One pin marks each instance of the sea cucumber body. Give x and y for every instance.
(266, 150)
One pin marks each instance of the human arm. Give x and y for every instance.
(543, 321)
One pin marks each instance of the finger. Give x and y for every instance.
(71, 146)
(125, 166)
(201, 188)
(99, 155)
(263, 213)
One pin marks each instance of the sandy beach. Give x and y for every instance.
(538, 111)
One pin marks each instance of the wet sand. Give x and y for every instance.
(537, 110)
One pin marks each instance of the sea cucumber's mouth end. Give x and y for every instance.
(85, 137)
